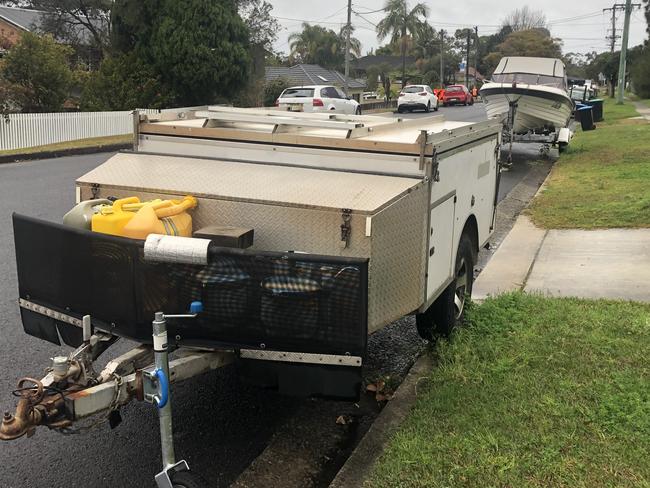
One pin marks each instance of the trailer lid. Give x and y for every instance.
(251, 182)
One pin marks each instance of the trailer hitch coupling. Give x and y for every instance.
(34, 408)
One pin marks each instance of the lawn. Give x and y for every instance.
(80, 143)
(603, 180)
(532, 392)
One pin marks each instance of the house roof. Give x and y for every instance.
(22, 18)
(31, 20)
(472, 73)
(394, 62)
(311, 74)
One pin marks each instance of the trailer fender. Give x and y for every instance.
(565, 135)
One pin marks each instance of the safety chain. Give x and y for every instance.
(100, 419)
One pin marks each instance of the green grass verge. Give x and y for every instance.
(80, 143)
(603, 180)
(533, 392)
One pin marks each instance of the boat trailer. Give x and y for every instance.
(72, 391)
(559, 139)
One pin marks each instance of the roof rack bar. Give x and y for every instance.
(280, 119)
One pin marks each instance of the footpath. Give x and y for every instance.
(609, 263)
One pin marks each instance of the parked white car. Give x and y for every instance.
(317, 98)
(417, 97)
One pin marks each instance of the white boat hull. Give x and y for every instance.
(539, 109)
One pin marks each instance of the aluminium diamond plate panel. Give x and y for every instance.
(395, 246)
(238, 181)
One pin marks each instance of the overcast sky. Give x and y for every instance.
(581, 24)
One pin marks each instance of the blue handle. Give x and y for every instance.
(164, 388)
(196, 307)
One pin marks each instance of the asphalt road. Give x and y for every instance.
(221, 425)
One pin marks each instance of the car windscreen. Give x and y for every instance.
(453, 89)
(413, 89)
(297, 93)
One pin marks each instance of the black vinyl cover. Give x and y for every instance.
(276, 301)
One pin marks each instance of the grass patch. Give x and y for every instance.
(603, 180)
(80, 143)
(533, 392)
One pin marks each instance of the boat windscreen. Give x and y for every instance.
(530, 79)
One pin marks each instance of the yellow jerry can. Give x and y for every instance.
(173, 220)
(111, 219)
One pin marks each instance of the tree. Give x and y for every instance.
(532, 42)
(576, 64)
(263, 28)
(319, 45)
(399, 23)
(489, 44)
(640, 74)
(525, 18)
(273, 89)
(76, 22)
(124, 82)
(37, 69)
(607, 65)
(199, 50)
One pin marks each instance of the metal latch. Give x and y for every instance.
(346, 229)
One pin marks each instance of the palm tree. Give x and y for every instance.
(399, 23)
(319, 45)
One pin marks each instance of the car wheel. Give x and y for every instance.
(465, 102)
(399, 110)
(448, 309)
(358, 111)
(436, 107)
(427, 109)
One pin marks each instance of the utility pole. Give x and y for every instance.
(469, 34)
(623, 60)
(442, 64)
(476, 55)
(613, 37)
(347, 47)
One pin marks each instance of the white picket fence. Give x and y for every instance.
(19, 131)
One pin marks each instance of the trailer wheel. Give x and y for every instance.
(448, 309)
(189, 479)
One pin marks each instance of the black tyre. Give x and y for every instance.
(189, 479)
(358, 111)
(562, 146)
(449, 308)
(399, 110)
(427, 109)
(436, 107)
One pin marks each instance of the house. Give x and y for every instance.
(472, 77)
(14, 21)
(313, 74)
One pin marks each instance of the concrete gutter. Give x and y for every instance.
(13, 158)
(371, 447)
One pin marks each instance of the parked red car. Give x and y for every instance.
(455, 94)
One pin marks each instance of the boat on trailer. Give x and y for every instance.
(532, 93)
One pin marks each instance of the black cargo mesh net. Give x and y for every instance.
(277, 301)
